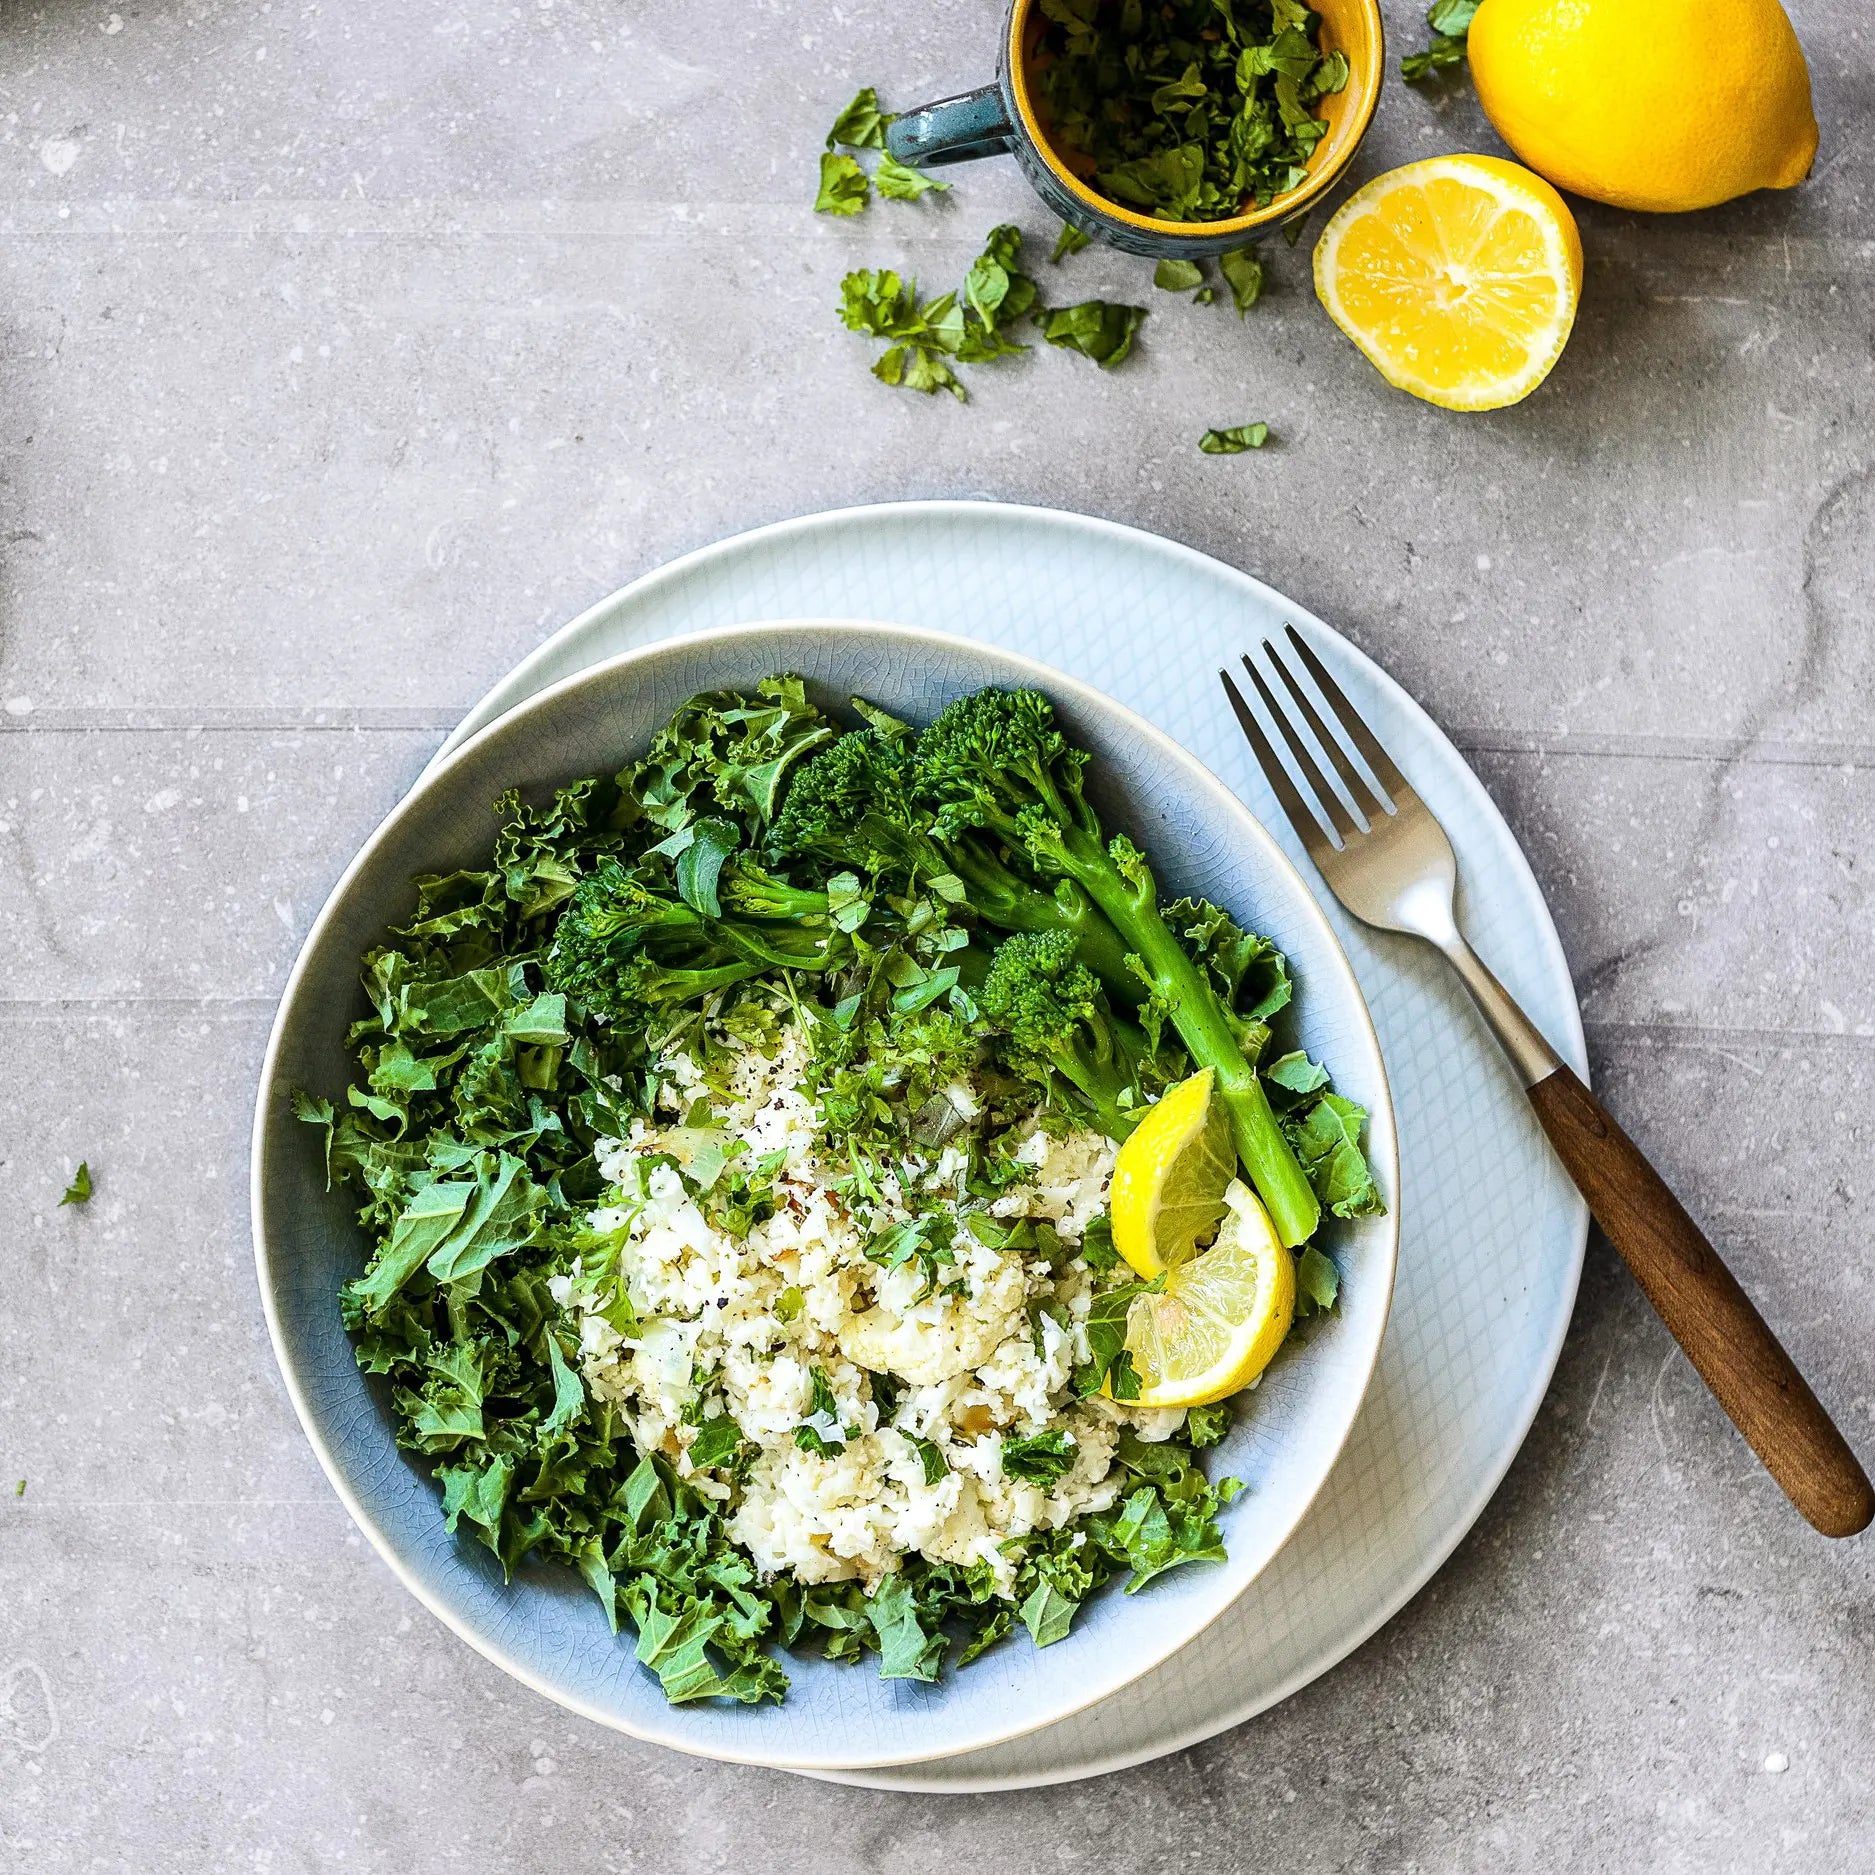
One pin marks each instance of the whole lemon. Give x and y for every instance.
(1649, 104)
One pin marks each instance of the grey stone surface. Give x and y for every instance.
(346, 350)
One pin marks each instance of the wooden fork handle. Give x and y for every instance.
(1705, 1310)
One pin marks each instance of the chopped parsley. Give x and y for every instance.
(1191, 109)
(79, 1190)
(1235, 441)
(1450, 21)
(845, 187)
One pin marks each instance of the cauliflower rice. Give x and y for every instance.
(691, 1323)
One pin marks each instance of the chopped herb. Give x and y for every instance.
(789, 1304)
(1450, 21)
(1234, 442)
(1108, 1362)
(1045, 1459)
(79, 1190)
(717, 1442)
(861, 126)
(1192, 109)
(1096, 328)
(1206, 1425)
(1069, 241)
(899, 182)
(883, 306)
(843, 185)
(931, 1456)
(19, 1490)
(1097, 1249)
(1177, 276)
(1242, 269)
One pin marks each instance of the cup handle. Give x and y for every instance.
(953, 130)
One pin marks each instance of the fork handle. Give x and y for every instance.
(1705, 1310)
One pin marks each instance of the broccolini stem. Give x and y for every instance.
(1133, 907)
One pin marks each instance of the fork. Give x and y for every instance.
(1385, 856)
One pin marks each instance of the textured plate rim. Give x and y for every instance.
(1383, 1144)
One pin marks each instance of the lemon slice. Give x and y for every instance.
(1221, 1316)
(1458, 277)
(1169, 1175)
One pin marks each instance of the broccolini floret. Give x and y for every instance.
(997, 763)
(852, 805)
(1057, 1027)
(628, 944)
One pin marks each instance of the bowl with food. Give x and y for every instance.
(824, 1194)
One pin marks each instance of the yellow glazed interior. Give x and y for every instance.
(1348, 26)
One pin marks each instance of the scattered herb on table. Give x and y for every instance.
(19, 1490)
(1450, 21)
(970, 326)
(1177, 276)
(1243, 274)
(1190, 109)
(845, 187)
(1069, 241)
(862, 125)
(79, 1190)
(1235, 441)
(1098, 329)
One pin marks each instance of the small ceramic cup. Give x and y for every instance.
(1004, 119)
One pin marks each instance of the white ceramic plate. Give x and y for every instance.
(1488, 1265)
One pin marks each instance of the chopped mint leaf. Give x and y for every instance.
(79, 1190)
(1234, 442)
(843, 185)
(899, 182)
(1096, 328)
(1450, 21)
(717, 1442)
(1069, 241)
(1044, 1459)
(861, 126)
(1108, 1361)
(931, 1456)
(1097, 1249)
(1177, 276)
(1242, 269)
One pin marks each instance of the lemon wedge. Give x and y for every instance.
(1457, 276)
(1170, 1174)
(1221, 1316)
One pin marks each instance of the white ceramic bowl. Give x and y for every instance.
(545, 1627)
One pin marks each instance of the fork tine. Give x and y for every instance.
(1331, 804)
(1363, 738)
(1366, 802)
(1309, 830)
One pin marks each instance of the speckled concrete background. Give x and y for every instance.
(344, 350)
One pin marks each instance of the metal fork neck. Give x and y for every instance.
(1530, 1054)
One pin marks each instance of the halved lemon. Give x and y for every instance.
(1169, 1175)
(1221, 1316)
(1458, 277)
